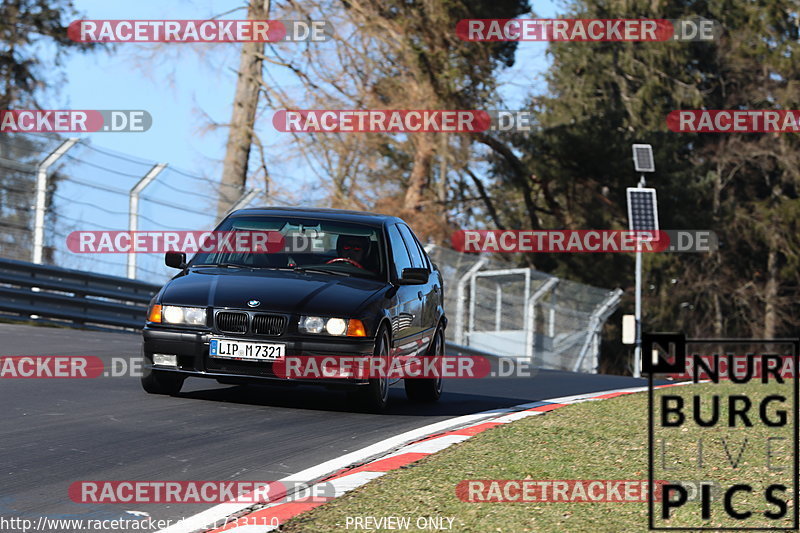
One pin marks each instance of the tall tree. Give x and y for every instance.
(243, 116)
(397, 55)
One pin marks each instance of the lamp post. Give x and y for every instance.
(642, 216)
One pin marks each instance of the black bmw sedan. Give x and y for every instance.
(343, 283)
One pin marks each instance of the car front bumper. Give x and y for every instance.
(192, 351)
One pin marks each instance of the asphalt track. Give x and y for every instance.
(59, 431)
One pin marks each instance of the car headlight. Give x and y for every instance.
(186, 316)
(350, 327)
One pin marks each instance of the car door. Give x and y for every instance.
(405, 315)
(426, 320)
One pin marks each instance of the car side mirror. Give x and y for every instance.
(175, 259)
(414, 276)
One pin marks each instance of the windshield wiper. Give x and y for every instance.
(222, 265)
(321, 270)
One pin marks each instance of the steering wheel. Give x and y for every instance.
(345, 260)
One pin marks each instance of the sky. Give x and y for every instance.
(174, 87)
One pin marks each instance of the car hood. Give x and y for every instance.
(280, 291)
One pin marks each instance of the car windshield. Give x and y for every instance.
(309, 245)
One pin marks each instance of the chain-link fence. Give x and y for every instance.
(90, 188)
(521, 312)
(51, 186)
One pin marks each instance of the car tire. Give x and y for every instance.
(425, 390)
(374, 397)
(160, 382)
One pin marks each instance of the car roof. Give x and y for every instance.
(324, 213)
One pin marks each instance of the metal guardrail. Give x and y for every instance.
(30, 291)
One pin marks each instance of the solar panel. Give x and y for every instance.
(643, 158)
(642, 209)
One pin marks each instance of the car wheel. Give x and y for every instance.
(429, 389)
(160, 382)
(374, 397)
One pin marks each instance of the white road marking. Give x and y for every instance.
(518, 416)
(352, 481)
(430, 445)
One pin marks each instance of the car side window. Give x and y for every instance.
(400, 256)
(425, 259)
(417, 260)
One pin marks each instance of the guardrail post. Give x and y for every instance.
(530, 311)
(41, 196)
(133, 211)
(461, 297)
(498, 306)
(473, 295)
(528, 317)
(551, 330)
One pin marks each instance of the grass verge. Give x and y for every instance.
(593, 440)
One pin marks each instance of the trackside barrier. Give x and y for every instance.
(30, 292)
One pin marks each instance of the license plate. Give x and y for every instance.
(251, 351)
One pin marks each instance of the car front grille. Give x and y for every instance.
(229, 322)
(240, 323)
(269, 324)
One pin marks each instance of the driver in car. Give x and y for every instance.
(352, 249)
